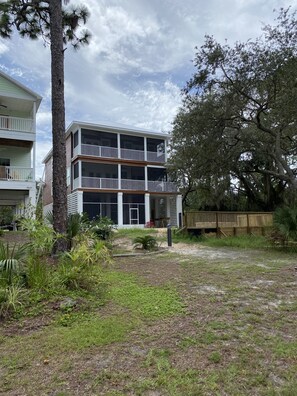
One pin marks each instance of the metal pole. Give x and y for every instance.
(169, 235)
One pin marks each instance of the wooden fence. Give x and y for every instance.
(229, 223)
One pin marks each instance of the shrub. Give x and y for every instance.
(285, 222)
(147, 242)
(103, 227)
(36, 273)
(11, 259)
(9, 300)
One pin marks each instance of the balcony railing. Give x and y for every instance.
(124, 184)
(16, 173)
(137, 155)
(129, 184)
(99, 151)
(113, 152)
(155, 157)
(16, 124)
(100, 182)
(161, 186)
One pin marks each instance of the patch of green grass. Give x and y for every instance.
(242, 241)
(215, 357)
(143, 300)
(134, 232)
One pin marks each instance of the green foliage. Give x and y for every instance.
(103, 227)
(42, 236)
(146, 242)
(11, 259)
(234, 140)
(285, 221)
(241, 241)
(36, 272)
(10, 300)
(6, 215)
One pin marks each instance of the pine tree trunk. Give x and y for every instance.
(58, 125)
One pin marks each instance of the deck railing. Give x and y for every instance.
(16, 124)
(100, 182)
(129, 184)
(227, 220)
(113, 152)
(16, 173)
(99, 151)
(162, 186)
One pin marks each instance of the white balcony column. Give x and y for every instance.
(120, 209)
(145, 148)
(79, 174)
(165, 149)
(79, 141)
(80, 202)
(179, 210)
(34, 161)
(147, 207)
(145, 178)
(32, 196)
(119, 176)
(119, 145)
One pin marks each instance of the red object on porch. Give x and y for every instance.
(150, 224)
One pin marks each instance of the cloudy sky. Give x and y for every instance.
(138, 60)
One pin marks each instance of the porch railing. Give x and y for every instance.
(16, 173)
(100, 182)
(129, 184)
(99, 151)
(155, 157)
(137, 155)
(161, 186)
(16, 124)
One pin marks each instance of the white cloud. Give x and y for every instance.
(138, 59)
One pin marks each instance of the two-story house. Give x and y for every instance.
(118, 172)
(18, 107)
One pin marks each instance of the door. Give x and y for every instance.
(134, 216)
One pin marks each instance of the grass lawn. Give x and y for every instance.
(168, 324)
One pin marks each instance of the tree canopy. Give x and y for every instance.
(58, 27)
(234, 140)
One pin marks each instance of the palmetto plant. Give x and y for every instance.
(11, 259)
(285, 221)
(147, 242)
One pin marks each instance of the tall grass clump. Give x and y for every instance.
(240, 241)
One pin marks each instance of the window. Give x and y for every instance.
(4, 162)
(75, 139)
(75, 171)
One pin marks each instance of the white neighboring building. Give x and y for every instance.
(119, 172)
(18, 107)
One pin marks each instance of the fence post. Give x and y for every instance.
(169, 235)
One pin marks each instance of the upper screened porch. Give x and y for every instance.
(18, 107)
(103, 144)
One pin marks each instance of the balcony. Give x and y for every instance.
(129, 184)
(124, 184)
(161, 186)
(16, 124)
(14, 173)
(99, 151)
(100, 182)
(113, 152)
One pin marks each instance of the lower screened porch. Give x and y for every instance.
(128, 210)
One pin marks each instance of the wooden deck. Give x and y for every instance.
(229, 223)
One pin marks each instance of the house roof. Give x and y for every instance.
(115, 127)
(37, 97)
